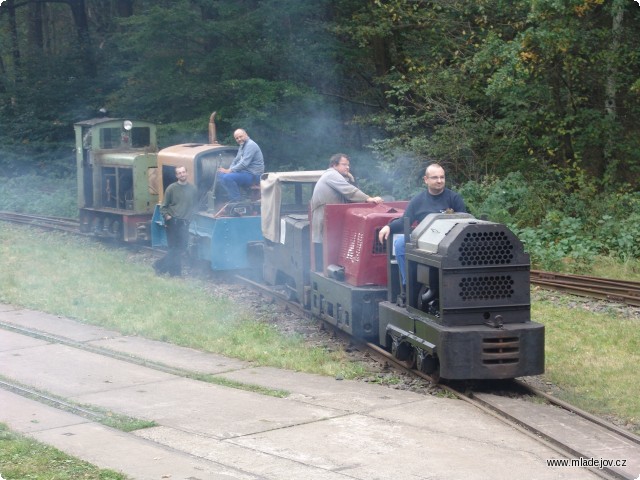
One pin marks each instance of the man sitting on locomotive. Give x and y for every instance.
(435, 199)
(334, 186)
(246, 168)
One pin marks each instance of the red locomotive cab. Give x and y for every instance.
(350, 244)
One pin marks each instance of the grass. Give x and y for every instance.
(608, 267)
(592, 355)
(22, 458)
(81, 279)
(111, 419)
(225, 382)
(38, 194)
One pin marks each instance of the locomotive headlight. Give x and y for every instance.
(127, 125)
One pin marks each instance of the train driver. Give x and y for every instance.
(246, 168)
(435, 199)
(333, 187)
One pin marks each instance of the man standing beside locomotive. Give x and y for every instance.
(246, 168)
(436, 199)
(179, 203)
(333, 187)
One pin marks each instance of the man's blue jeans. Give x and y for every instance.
(398, 246)
(231, 181)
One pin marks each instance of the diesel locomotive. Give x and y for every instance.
(116, 166)
(220, 231)
(467, 313)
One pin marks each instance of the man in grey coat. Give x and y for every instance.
(333, 187)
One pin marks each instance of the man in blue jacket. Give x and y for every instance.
(246, 168)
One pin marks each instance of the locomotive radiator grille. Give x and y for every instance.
(500, 351)
(491, 287)
(485, 248)
(352, 249)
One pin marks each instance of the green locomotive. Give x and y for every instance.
(117, 177)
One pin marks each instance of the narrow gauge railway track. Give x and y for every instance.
(41, 221)
(67, 225)
(626, 292)
(529, 417)
(60, 403)
(570, 431)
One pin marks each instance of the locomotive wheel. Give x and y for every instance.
(115, 228)
(411, 361)
(85, 223)
(404, 353)
(96, 225)
(292, 293)
(427, 364)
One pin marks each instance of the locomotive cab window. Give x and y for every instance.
(109, 138)
(140, 137)
(168, 176)
(296, 197)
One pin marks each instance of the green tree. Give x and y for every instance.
(491, 86)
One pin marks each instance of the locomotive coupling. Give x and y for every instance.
(495, 322)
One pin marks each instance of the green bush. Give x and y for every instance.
(563, 218)
(559, 243)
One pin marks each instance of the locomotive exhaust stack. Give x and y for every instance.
(213, 138)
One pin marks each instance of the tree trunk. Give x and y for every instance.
(79, 11)
(611, 162)
(15, 49)
(36, 31)
(611, 85)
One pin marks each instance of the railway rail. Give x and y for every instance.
(42, 221)
(621, 291)
(520, 413)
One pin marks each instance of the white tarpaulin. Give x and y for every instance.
(271, 193)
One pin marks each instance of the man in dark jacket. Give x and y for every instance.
(435, 199)
(179, 203)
